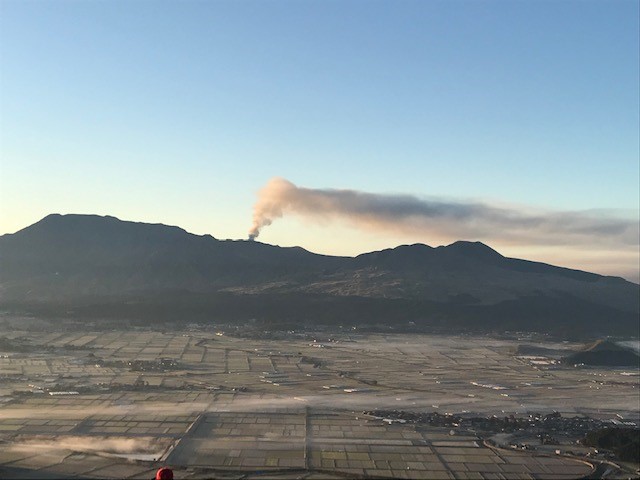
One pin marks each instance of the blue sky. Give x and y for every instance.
(179, 112)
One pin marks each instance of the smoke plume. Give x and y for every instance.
(434, 217)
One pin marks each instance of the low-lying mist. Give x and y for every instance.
(108, 445)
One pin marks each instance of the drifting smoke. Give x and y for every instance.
(438, 218)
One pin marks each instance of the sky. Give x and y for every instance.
(181, 112)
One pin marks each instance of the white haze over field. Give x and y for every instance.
(117, 446)
(150, 448)
(632, 344)
(265, 403)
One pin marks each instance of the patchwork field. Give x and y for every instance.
(120, 404)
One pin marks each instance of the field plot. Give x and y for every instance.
(372, 448)
(118, 404)
(245, 440)
(220, 444)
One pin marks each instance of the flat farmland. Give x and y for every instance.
(119, 404)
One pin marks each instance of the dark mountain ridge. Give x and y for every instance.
(84, 260)
(605, 353)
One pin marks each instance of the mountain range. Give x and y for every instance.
(96, 267)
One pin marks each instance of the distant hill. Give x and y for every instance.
(102, 267)
(605, 353)
(624, 442)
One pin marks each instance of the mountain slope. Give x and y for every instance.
(77, 255)
(89, 260)
(605, 353)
